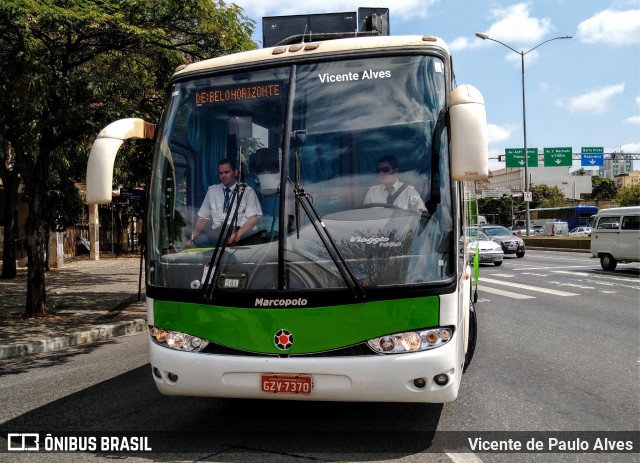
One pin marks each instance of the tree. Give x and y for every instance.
(67, 68)
(629, 196)
(603, 188)
(498, 210)
(546, 196)
(11, 184)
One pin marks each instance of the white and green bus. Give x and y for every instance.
(330, 297)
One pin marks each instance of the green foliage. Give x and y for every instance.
(603, 188)
(629, 196)
(546, 196)
(67, 68)
(498, 210)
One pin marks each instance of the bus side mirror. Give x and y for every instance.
(469, 145)
(103, 154)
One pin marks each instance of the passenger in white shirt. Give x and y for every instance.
(391, 190)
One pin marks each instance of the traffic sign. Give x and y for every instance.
(515, 157)
(592, 156)
(558, 157)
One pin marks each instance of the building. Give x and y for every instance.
(509, 181)
(612, 167)
(627, 179)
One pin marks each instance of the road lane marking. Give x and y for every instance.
(463, 457)
(530, 288)
(501, 292)
(598, 275)
(549, 268)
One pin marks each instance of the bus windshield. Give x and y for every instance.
(344, 163)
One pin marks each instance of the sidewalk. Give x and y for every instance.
(87, 301)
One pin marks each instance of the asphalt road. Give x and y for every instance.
(557, 352)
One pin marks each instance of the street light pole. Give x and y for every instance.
(525, 190)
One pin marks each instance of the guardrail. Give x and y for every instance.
(557, 242)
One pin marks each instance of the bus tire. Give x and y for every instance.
(473, 335)
(608, 262)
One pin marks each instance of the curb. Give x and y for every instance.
(541, 248)
(98, 333)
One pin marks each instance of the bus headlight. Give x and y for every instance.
(177, 340)
(411, 341)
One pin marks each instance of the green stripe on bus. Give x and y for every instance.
(313, 329)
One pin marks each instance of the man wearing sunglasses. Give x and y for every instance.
(392, 191)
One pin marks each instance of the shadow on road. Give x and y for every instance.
(130, 404)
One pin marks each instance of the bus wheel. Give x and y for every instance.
(608, 262)
(473, 335)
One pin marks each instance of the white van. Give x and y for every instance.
(615, 236)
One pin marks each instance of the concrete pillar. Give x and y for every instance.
(56, 250)
(94, 232)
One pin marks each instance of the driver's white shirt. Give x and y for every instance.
(409, 198)
(212, 206)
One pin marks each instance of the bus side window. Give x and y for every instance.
(631, 222)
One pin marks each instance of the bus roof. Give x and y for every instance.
(296, 51)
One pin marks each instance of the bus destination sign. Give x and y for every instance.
(245, 92)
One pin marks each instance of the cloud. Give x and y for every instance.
(615, 28)
(635, 120)
(629, 148)
(401, 9)
(461, 43)
(638, 100)
(514, 24)
(594, 102)
(515, 27)
(499, 133)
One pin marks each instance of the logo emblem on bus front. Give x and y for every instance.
(283, 339)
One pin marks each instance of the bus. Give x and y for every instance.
(330, 299)
(575, 216)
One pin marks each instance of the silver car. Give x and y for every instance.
(488, 251)
(510, 244)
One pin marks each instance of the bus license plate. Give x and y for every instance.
(287, 384)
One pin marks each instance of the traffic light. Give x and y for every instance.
(501, 157)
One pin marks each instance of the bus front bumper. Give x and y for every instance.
(379, 378)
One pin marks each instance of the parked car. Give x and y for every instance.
(538, 229)
(580, 232)
(519, 230)
(488, 250)
(510, 244)
(557, 228)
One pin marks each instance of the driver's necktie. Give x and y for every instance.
(227, 193)
(390, 191)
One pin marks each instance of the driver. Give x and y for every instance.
(216, 205)
(391, 190)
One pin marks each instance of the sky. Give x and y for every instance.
(579, 92)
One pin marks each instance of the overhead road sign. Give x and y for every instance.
(515, 157)
(592, 156)
(558, 157)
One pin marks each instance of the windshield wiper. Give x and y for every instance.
(226, 229)
(303, 199)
